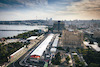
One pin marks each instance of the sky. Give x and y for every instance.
(55, 9)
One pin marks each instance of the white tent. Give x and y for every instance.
(42, 47)
(55, 43)
(32, 38)
(53, 50)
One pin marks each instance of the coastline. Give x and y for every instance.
(14, 30)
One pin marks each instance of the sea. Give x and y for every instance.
(14, 30)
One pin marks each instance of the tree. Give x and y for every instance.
(67, 59)
(57, 59)
(91, 57)
(93, 65)
(67, 49)
(7, 50)
(80, 64)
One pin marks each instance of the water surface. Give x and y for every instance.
(13, 30)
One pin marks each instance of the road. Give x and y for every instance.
(79, 56)
(16, 63)
(73, 61)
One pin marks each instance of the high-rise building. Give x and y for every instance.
(50, 22)
(58, 27)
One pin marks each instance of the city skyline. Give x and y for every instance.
(56, 9)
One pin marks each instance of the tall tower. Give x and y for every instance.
(58, 27)
(50, 22)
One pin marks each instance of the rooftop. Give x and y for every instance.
(94, 46)
(41, 48)
(32, 38)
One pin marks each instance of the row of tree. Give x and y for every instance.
(7, 50)
(28, 34)
(78, 63)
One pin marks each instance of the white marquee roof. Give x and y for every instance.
(55, 43)
(41, 48)
(53, 50)
(32, 38)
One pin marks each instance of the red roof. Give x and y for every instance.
(35, 56)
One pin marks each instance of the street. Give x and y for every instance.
(16, 63)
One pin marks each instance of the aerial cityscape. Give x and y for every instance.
(49, 33)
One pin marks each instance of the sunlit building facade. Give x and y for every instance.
(72, 38)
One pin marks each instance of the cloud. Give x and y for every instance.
(3, 5)
(55, 4)
(57, 9)
(13, 4)
(85, 9)
(89, 5)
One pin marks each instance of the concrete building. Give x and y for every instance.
(58, 27)
(96, 34)
(93, 46)
(72, 38)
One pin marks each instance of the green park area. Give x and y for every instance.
(91, 57)
(7, 50)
